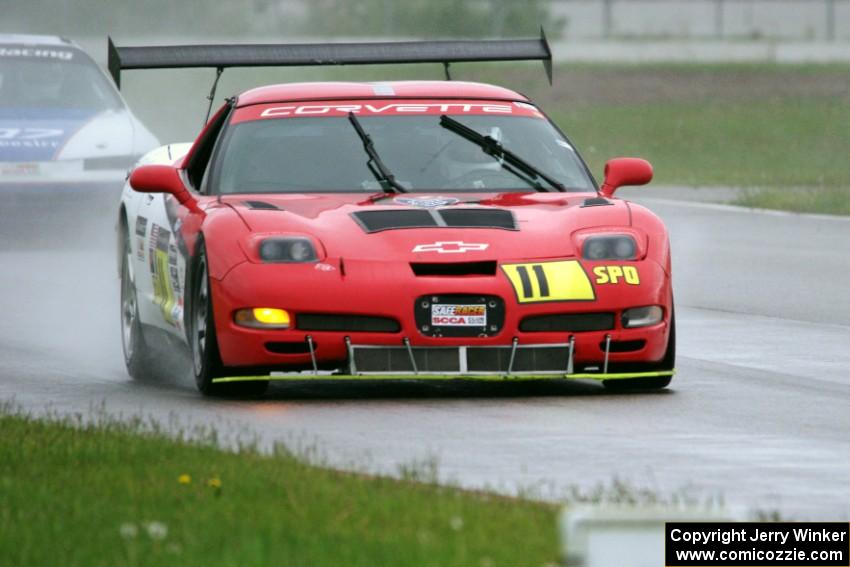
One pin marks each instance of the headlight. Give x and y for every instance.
(610, 247)
(642, 316)
(287, 249)
(262, 318)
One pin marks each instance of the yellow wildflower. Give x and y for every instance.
(214, 482)
(184, 479)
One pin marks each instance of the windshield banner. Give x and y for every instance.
(341, 108)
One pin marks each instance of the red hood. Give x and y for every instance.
(544, 221)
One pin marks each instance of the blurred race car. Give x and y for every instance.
(64, 128)
(422, 230)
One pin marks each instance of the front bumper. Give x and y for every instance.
(389, 289)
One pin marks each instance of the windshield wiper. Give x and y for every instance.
(376, 166)
(494, 148)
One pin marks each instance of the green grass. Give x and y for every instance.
(835, 201)
(75, 494)
(773, 143)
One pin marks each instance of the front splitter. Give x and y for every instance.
(304, 376)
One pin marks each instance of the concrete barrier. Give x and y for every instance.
(699, 51)
(626, 536)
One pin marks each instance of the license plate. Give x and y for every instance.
(458, 315)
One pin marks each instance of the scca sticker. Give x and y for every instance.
(616, 274)
(549, 281)
(459, 315)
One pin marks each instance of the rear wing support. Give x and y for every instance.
(211, 96)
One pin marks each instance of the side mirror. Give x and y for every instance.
(624, 171)
(161, 179)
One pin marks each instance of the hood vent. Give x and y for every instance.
(567, 323)
(478, 218)
(261, 206)
(596, 202)
(391, 219)
(344, 323)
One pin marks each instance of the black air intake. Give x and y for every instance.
(391, 219)
(395, 359)
(345, 323)
(623, 346)
(489, 359)
(567, 322)
(486, 360)
(454, 269)
(261, 206)
(290, 347)
(478, 218)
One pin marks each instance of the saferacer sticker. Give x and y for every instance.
(382, 108)
(458, 315)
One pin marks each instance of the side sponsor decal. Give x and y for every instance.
(549, 281)
(166, 282)
(141, 231)
(175, 313)
(615, 274)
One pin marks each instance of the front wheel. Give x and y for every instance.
(206, 360)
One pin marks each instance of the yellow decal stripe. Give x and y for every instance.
(549, 281)
(163, 294)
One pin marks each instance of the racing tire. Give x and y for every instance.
(653, 382)
(138, 356)
(206, 359)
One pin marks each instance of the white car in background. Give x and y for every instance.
(67, 141)
(63, 124)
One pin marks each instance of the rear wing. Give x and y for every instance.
(310, 54)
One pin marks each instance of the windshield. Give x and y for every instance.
(41, 78)
(294, 154)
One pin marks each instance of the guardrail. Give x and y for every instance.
(806, 20)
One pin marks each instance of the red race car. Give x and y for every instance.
(405, 230)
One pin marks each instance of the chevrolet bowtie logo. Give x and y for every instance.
(453, 247)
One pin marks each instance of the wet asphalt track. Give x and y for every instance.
(758, 412)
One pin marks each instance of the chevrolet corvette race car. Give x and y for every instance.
(64, 128)
(422, 230)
